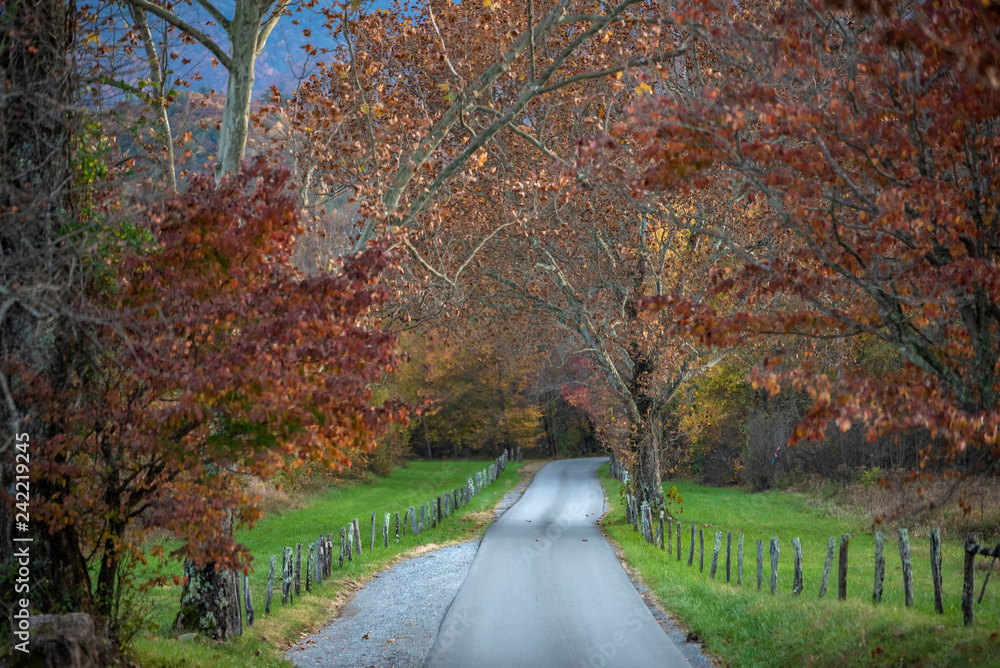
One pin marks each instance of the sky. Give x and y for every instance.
(283, 59)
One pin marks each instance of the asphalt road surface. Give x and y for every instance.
(545, 588)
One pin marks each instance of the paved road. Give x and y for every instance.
(545, 588)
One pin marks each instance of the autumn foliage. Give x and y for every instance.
(866, 147)
(218, 359)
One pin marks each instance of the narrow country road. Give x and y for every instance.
(545, 588)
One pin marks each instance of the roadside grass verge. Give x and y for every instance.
(745, 627)
(327, 511)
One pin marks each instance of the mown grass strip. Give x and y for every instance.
(326, 511)
(745, 627)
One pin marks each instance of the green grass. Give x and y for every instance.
(744, 627)
(327, 512)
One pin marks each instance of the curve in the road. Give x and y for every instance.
(545, 588)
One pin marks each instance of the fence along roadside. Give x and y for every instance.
(971, 549)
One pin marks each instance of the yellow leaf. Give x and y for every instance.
(643, 89)
(487, 3)
(364, 109)
(444, 87)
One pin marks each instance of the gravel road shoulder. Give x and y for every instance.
(394, 619)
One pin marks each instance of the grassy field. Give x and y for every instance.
(744, 627)
(326, 512)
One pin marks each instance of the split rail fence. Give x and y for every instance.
(322, 556)
(641, 518)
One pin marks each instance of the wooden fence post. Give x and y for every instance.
(659, 532)
(691, 548)
(842, 567)
(237, 612)
(310, 565)
(775, 552)
(357, 537)
(797, 575)
(248, 599)
(397, 526)
(329, 553)
(350, 542)
(969, 583)
(986, 580)
(344, 551)
(320, 559)
(701, 550)
(729, 549)
(413, 521)
(385, 530)
(270, 586)
(827, 566)
(879, 568)
(647, 534)
(670, 537)
(739, 562)
(284, 575)
(298, 566)
(371, 545)
(760, 563)
(287, 575)
(904, 555)
(936, 569)
(715, 552)
(422, 524)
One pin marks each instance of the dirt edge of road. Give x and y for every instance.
(690, 645)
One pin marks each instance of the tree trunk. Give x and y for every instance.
(156, 70)
(644, 442)
(210, 602)
(36, 139)
(236, 112)
(645, 470)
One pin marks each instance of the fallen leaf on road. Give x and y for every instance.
(365, 636)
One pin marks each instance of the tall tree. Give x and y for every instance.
(42, 297)
(247, 31)
(870, 144)
(421, 107)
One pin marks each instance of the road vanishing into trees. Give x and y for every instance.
(546, 589)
